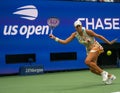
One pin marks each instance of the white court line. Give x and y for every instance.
(116, 92)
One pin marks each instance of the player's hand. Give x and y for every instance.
(52, 36)
(88, 40)
(113, 41)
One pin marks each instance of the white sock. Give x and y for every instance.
(103, 72)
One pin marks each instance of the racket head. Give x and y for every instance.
(53, 22)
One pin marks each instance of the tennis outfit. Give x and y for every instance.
(89, 42)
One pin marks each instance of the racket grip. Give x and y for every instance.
(51, 31)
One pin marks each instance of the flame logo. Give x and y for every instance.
(28, 12)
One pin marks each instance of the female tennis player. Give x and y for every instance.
(93, 49)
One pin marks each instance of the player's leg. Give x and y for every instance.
(96, 72)
(91, 62)
(110, 79)
(93, 70)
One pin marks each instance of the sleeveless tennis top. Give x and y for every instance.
(85, 39)
(88, 41)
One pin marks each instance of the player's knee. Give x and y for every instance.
(87, 62)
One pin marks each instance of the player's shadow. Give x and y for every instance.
(89, 86)
(84, 86)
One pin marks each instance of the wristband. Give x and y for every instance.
(56, 39)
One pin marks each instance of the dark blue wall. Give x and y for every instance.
(103, 18)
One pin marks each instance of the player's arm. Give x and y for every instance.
(91, 33)
(67, 40)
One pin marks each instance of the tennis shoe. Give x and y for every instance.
(110, 79)
(104, 76)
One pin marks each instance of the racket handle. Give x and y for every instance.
(51, 31)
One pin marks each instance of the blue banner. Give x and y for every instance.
(24, 30)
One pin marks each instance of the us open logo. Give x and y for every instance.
(29, 12)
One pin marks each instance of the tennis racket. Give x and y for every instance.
(53, 22)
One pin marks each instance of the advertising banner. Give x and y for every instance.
(24, 29)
